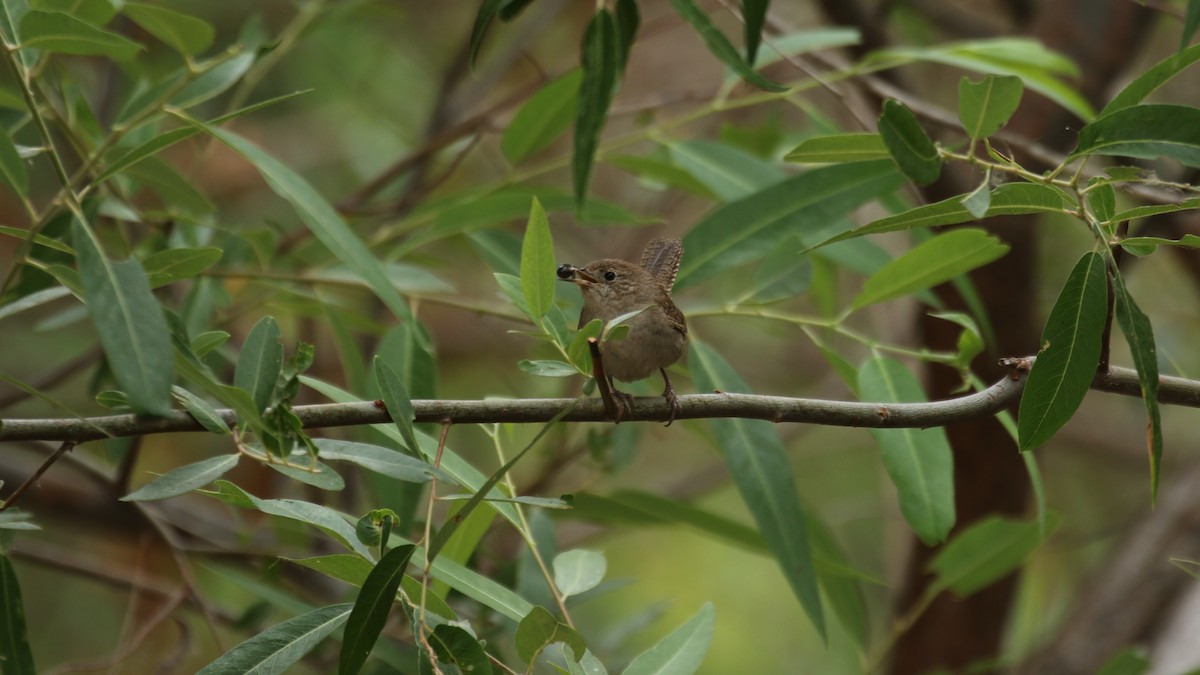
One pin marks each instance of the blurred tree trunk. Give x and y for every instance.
(1101, 36)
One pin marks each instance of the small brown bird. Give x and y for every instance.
(657, 336)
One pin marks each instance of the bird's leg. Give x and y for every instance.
(623, 402)
(669, 394)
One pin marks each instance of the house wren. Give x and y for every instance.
(657, 336)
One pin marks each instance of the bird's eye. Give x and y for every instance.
(610, 275)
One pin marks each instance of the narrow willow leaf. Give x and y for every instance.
(1139, 212)
(934, 261)
(11, 165)
(986, 106)
(184, 33)
(919, 461)
(14, 642)
(129, 322)
(483, 18)
(539, 629)
(1147, 245)
(216, 80)
(746, 229)
(260, 362)
(60, 32)
(537, 264)
(728, 172)
(681, 652)
(1102, 201)
(178, 194)
(599, 59)
(838, 148)
(184, 479)
(278, 648)
(320, 517)
(656, 173)
(201, 411)
(547, 368)
(1144, 131)
(760, 469)
(381, 460)
(720, 46)
(1039, 68)
(399, 405)
(908, 144)
(172, 264)
(986, 551)
(578, 571)
(629, 19)
(542, 118)
(1140, 335)
(317, 475)
(371, 609)
(1069, 354)
(1010, 199)
(1154, 77)
(458, 647)
(754, 15)
(322, 220)
(979, 200)
(1191, 22)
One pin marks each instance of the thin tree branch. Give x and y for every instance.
(1172, 390)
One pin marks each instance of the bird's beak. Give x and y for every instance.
(576, 275)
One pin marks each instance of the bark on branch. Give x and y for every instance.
(1172, 390)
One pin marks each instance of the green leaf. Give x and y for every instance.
(320, 217)
(1146, 245)
(542, 117)
(201, 411)
(1154, 77)
(1144, 131)
(458, 647)
(129, 322)
(321, 517)
(919, 461)
(681, 652)
(537, 264)
(547, 368)
(979, 200)
(783, 273)
(744, 230)
(216, 80)
(173, 264)
(11, 165)
(399, 405)
(14, 642)
(381, 460)
(60, 32)
(719, 45)
(1140, 335)
(760, 469)
(1102, 201)
(260, 362)
(728, 172)
(578, 571)
(934, 261)
(318, 475)
(754, 15)
(1139, 212)
(839, 148)
(184, 479)
(278, 648)
(629, 18)
(986, 106)
(95, 12)
(600, 60)
(1069, 354)
(659, 172)
(178, 194)
(539, 629)
(1131, 661)
(1191, 22)
(371, 609)
(1009, 199)
(908, 144)
(1039, 68)
(483, 18)
(184, 33)
(986, 551)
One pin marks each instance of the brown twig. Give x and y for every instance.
(62, 449)
(601, 378)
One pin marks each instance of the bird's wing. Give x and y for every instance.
(661, 259)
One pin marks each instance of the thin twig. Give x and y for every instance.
(601, 378)
(62, 449)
